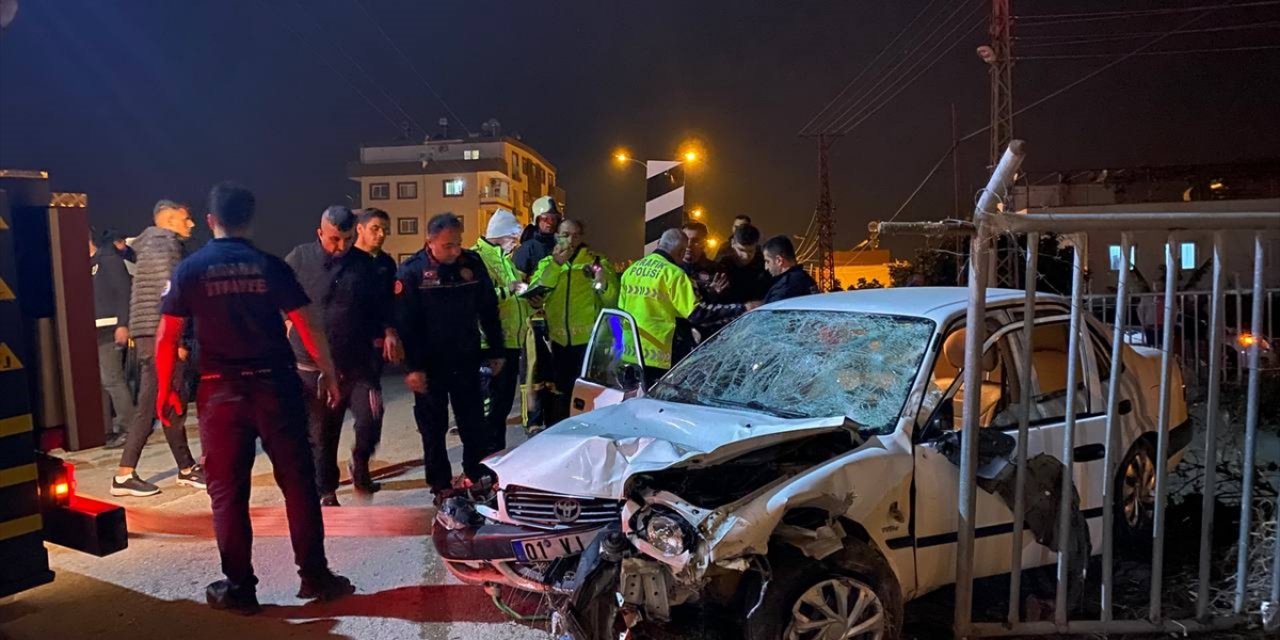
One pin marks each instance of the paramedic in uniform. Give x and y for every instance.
(249, 390)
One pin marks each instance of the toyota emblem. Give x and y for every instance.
(568, 510)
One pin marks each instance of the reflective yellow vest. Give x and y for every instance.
(512, 309)
(656, 292)
(573, 304)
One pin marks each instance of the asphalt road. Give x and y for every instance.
(155, 588)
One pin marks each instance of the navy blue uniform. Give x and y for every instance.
(442, 310)
(353, 312)
(249, 390)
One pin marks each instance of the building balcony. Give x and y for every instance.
(496, 192)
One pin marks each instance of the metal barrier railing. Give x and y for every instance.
(987, 225)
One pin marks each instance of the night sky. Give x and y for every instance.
(134, 100)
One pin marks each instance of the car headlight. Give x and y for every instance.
(664, 530)
(458, 513)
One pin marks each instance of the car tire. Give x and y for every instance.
(1134, 506)
(855, 582)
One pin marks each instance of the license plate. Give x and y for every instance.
(544, 549)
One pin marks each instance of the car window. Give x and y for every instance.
(1000, 395)
(812, 364)
(1049, 349)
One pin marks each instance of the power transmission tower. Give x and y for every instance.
(826, 218)
(1000, 58)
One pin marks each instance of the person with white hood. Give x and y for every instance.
(495, 248)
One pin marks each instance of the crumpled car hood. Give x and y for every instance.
(593, 454)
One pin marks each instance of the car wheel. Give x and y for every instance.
(1135, 495)
(810, 600)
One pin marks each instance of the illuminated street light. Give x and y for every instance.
(712, 243)
(691, 156)
(696, 213)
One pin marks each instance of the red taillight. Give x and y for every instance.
(69, 482)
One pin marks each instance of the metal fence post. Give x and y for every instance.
(1110, 457)
(975, 331)
(1162, 435)
(1078, 262)
(1208, 503)
(1250, 433)
(1024, 421)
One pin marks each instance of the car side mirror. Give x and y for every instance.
(630, 377)
(942, 421)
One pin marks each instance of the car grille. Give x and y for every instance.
(541, 509)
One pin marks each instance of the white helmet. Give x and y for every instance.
(546, 205)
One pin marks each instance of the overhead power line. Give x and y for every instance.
(1075, 38)
(1068, 18)
(1172, 52)
(359, 67)
(354, 86)
(462, 123)
(867, 68)
(892, 75)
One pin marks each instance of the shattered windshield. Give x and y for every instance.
(806, 364)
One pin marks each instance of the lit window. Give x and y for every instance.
(407, 190)
(1186, 256)
(1113, 255)
(471, 154)
(380, 191)
(407, 226)
(453, 188)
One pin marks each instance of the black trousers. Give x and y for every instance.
(116, 390)
(234, 413)
(502, 396)
(543, 374)
(363, 396)
(144, 418)
(459, 386)
(567, 364)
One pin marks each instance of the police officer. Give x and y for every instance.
(495, 249)
(790, 280)
(445, 299)
(351, 312)
(661, 298)
(581, 283)
(249, 390)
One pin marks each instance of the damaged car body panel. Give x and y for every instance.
(811, 439)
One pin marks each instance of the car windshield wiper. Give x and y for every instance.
(756, 405)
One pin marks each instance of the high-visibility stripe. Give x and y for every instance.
(106, 322)
(18, 475)
(15, 425)
(20, 526)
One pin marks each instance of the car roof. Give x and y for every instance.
(935, 303)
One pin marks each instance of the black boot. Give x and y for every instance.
(221, 595)
(360, 478)
(326, 586)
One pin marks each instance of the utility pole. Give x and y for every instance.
(999, 55)
(826, 217)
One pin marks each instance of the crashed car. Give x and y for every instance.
(794, 476)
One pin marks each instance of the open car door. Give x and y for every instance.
(613, 369)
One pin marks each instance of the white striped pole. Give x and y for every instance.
(664, 200)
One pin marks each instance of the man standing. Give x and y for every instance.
(249, 390)
(790, 280)
(537, 243)
(708, 276)
(372, 225)
(581, 283)
(495, 248)
(744, 266)
(663, 301)
(349, 310)
(111, 285)
(445, 300)
(160, 249)
(739, 221)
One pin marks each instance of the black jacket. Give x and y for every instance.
(112, 285)
(746, 282)
(349, 305)
(442, 309)
(703, 273)
(532, 251)
(159, 251)
(792, 283)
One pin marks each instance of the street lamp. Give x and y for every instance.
(696, 213)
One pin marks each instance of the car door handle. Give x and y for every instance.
(1090, 452)
(1125, 407)
(579, 403)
